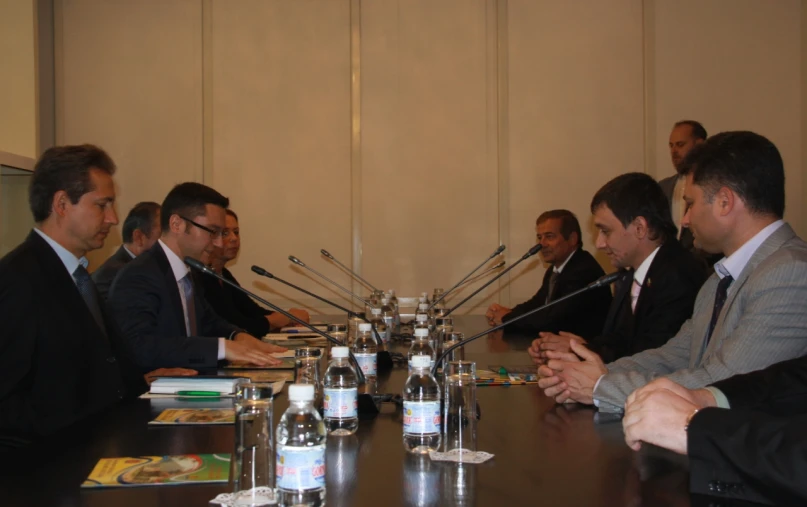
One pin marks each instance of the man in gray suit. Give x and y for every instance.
(752, 312)
(141, 230)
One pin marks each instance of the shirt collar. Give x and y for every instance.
(129, 252)
(179, 268)
(735, 263)
(641, 272)
(559, 269)
(70, 261)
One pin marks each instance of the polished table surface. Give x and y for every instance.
(544, 454)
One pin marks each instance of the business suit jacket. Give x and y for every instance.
(106, 272)
(763, 321)
(57, 365)
(583, 315)
(665, 302)
(234, 306)
(755, 451)
(685, 237)
(145, 301)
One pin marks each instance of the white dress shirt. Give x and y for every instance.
(70, 261)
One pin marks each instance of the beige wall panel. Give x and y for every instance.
(429, 193)
(576, 113)
(17, 78)
(733, 65)
(281, 136)
(129, 80)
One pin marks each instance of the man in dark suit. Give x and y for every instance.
(61, 356)
(140, 231)
(657, 292)
(158, 303)
(232, 305)
(570, 268)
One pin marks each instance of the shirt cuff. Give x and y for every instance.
(596, 401)
(222, 345)
(720, 398)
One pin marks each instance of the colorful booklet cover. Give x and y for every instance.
(159, 470)
(195, 416)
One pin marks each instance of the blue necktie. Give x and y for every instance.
(720, 300)
(89, 293)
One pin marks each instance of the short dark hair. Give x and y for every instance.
(141, 217)
(232, 213)
(568, 223)
(747, 163)
(64, 168)
(698, 132)
(189, 200)
(634, 195)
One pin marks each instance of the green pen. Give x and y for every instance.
(209, 394)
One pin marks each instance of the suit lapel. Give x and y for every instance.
(171, 285)
(769, 246)
(622, 290)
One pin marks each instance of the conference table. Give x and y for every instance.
(545, 454)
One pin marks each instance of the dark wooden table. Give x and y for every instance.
(544, 454)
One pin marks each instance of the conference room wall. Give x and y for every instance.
(408, 138)
(18, 111)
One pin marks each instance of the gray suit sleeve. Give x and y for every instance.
(771, 326)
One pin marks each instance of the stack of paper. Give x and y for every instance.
(193, 385)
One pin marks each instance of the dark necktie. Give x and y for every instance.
(87, 289)
(553, 281)
(187, 289)
(720, 300)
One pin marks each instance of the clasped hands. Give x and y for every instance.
(568, 370)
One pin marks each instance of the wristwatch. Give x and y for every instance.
(689, 419)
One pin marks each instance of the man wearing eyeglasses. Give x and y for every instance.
(161, 309)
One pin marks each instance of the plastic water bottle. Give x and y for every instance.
(300, 457)
(366, 351)
(340, 406)
(378, 323)
(420, 346)
(421, 408)
(393, 300)
(388, 316)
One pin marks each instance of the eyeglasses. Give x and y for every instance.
(213, 232)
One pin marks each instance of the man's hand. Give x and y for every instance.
(168, 372)
(245, 348)
(300, 314)
(495, 313)
(555, 342)
(575, 374)
(657, 416)
(701, 398)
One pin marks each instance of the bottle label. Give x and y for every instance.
(341, 403)
(421, 417)
(368, 363)
(300, 468)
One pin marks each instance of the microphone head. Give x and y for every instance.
(260, 271)
(534, 250)
(498, 250)
(296, 261)
(326, 254)
(196, 264)
(607, 279)
(499, 265)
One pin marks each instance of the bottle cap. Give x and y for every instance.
(365, 327)
(424, 294)
(340, 352)
(421, 331)
(385, 301)
(421, 361)
(392, 292)
(301, 392)
(376, 311)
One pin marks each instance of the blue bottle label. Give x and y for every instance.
(341, 403)
(421, 417)
(300, 468)
(368, 363)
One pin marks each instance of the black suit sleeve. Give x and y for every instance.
(103, 278)
(748, 455)
(780, 389)
(228, 303)
(136, 301)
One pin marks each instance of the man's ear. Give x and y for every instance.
(60, 203)
(640, 224)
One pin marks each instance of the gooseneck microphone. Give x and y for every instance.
(302, 265)
(384, 358)
(494, 254)
(483, 273)
(355, 275)
(532, 251)
(603, 281)
(199, 266)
